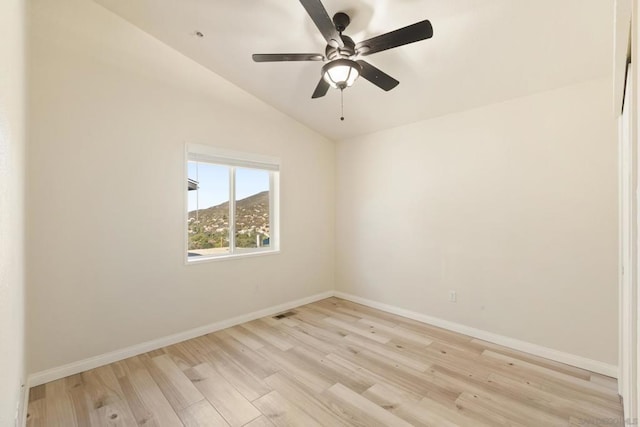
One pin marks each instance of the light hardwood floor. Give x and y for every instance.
(333, 363)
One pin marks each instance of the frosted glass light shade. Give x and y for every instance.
(341, 73)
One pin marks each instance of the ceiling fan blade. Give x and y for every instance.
(321, 18)
(377, 77)
(321, 89)
(419, 31)
(276, 57)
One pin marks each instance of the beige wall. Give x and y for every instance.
(512, 205)
(111, 109)
(11, 207)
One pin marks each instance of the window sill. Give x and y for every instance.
(205, 259)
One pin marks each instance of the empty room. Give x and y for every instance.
(319, 213)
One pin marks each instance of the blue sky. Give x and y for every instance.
(214, 184)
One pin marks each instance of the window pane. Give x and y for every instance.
(252, 208)
(208, 219)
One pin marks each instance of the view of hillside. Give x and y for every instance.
(209, 228)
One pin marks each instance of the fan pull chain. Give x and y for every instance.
(342, 104)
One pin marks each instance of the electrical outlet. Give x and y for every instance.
(453, 296)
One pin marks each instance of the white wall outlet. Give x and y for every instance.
(453, 296)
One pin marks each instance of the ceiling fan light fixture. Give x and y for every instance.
(341, 73)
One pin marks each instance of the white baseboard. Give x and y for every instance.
(56, 373)
(538, 350)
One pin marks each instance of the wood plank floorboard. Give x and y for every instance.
(332, 363)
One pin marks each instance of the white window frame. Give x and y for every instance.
(234, 160)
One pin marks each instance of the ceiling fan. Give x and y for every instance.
(342, 53)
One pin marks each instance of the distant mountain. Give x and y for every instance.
(209, 228)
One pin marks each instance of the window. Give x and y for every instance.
(232, 203)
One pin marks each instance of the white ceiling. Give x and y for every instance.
(482, 52)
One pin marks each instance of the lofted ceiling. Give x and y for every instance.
(482, 52)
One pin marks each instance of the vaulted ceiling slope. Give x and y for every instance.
(482, 52)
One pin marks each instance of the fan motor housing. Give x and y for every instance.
(347, 51)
